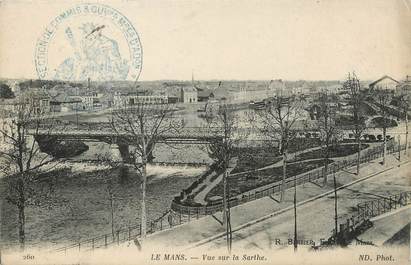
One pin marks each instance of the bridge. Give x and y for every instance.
(187, 135)
(103, 132)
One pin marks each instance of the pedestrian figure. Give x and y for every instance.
(137, 243)
(170, 220)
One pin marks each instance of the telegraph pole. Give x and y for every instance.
(335, 209)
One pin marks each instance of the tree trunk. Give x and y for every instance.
(225, 199)
(229, 232)
(335, 210)
(22, 221)
(359, 155)
(284, 176)
(226, 211)
(325, 170)
(295, 213)
(112, 215)
(143, 198)
(384, 134)
(406, 133)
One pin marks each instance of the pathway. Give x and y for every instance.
(293, 155)
(263, 235)
(201, 230)
(200, 197)
(383, 228)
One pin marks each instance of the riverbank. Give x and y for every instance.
(79, 207)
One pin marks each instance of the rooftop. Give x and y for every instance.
(382, 78)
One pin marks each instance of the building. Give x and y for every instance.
(134, 98)
(8, 107)
(64, 103)
(239, 96)
(205, 95)
(38, 99)
(188, 94)
(315, 111)
(404, 87)
(386, 82)
(90, 101)
(277, 88)
(172, 99)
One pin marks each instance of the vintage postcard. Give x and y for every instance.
(205, 132)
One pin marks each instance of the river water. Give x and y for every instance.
(79, 207)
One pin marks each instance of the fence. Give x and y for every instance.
(122, 235)
(180, 214)
(269, 189)
(365, 211)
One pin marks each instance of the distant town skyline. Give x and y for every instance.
(238, 40)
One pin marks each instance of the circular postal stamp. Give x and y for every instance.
(89, 41)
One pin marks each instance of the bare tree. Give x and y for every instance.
(278, 123)
(141, 126)
(356, 97)
(114, 196)
(112, 187)
(328, 129)
(224, 126)
(383, 99)
(21, 158)
(404, 105)
(335, 210)
(329, 135)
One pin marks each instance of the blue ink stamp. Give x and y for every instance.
(89, 41)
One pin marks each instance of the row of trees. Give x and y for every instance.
(280, 122)
(21, 161)
(144, 125)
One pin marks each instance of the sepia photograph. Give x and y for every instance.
(205, 132)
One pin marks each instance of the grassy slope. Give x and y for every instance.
(239, 184)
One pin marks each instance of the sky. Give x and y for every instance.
(237, 39)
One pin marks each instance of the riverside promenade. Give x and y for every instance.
(251, 221)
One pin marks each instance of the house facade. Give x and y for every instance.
(37, 99)
(64, 103)
(188, 94)
(130, 99)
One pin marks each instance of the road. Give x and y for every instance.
(315, 220)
